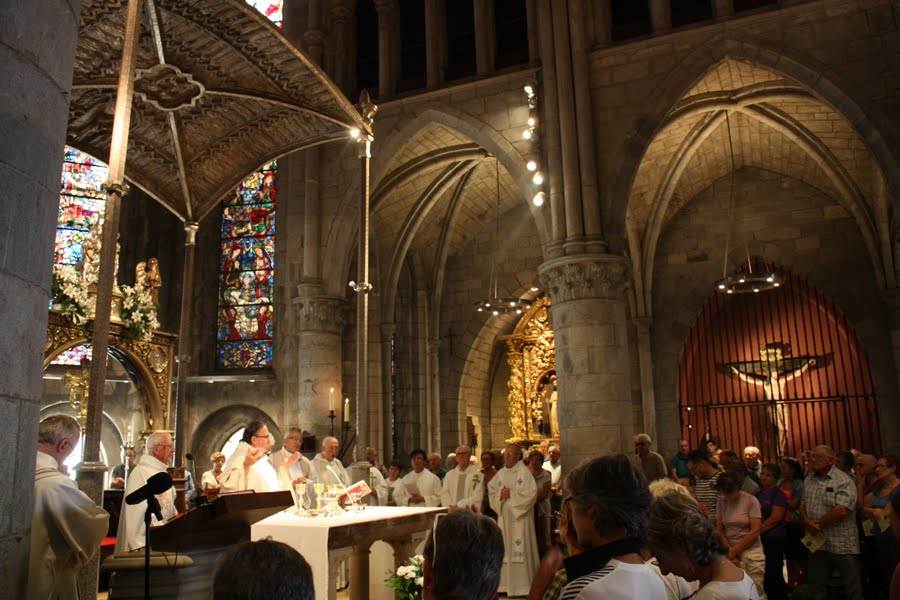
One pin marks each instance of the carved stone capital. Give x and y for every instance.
(120, 189)
(585, 276)
(321, 313)
(313, 37)
(340, 15)
(190, 233)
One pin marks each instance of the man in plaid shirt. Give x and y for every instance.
(828, 507)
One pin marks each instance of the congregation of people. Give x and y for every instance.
(707, 524)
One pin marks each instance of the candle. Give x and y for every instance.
(346, 410)
(331, 400)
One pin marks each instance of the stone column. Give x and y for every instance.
(592, 360)
(359, 571)
(722, 9)
(340, 19)
(889, 417)
(551, 136)
(37, 50)
(385, 63)
(485, 36)
(645, 362)
(534, 46)
(435, 38)
(660, 15)
(320, 319)
(388, 451)
(312, 37)
(184, 345)
(602, 23)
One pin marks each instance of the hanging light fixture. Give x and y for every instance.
(495, 305)
(743, 280)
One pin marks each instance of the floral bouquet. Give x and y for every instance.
(138, 312)
(70, 295)
(408, 580)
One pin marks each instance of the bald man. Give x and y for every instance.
(327, 466)
(463, 485)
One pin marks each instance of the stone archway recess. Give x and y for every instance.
(212, 433)
(797, 77)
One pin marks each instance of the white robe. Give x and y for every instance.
(463, 489)
(130, 535)
(378, 485)
(301, 468)
(320, 466)
(66, 531)
(392, 488)
(515, 517)
(428, 485)
(209, 480)
(259, 477)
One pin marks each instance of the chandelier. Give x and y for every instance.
(741, 281)
(494, 304)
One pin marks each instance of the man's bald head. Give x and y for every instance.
(512, 455)
(821, 459)
(330, 447)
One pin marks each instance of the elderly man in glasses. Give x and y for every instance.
(463, 485)
(512, 493)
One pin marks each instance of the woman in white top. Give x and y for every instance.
(685, 542)
(209, 481)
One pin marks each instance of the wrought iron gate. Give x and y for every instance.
(781, 370)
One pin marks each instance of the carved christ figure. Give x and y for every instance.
(772, 372)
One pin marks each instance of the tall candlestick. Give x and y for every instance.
(331, 399)
(346, 410)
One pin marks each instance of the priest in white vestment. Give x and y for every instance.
(248, 468)
(419, 487)
(156, 459)
(512, 493)
(298, 467)
(463, 486)
(379, 485)
(66, 525)
(327, 467)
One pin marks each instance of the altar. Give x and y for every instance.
(325, 541)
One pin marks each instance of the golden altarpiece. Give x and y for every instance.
(532, 387)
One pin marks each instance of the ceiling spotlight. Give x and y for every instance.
(532, 121)
(537, 178)
(526, 134)
(538, 199)
(755, 290)
(354, 133)
(531, 165)
(496, 313)
(741, 280)
(776, 284)
(534, 288)
(770, 279)
(479, 309)
(252, 381)
(721, 286)
(210, 381)
(730, 291)
(487, 304)
(529, 89)
(512, 303)
(518, 311)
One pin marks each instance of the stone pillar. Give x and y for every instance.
(534, 46)
(320, 319)
(889, 417)
(645, 362)
(722, 9)
(589, 320)
(37, 46)
(485, 36)
(602, 23)
(340, 19)
(312, 37)
(359, 572)
(660, 15)
(435, 38)
(388, 450)
(550, 137)
(385, 62)
(184, 345)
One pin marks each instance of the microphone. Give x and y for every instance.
(157, 484)
(199, 498)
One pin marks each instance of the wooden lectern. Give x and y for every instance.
(185, 549)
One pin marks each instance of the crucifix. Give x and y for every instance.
(772, 372)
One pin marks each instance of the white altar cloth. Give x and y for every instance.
(310, 537)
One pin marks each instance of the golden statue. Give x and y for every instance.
(154, 279)
(77, 384)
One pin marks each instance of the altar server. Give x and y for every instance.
(156, 459)
(512, 493)
(327, 467)
(66, 526)
(247, 467)
(298, 468)
(463, 485)
(419, 487)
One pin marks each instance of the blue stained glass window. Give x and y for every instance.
(81, 205)
(272, 9)
(247, 273)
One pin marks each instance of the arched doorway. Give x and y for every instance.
(782, 370)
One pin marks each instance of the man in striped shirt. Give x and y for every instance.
(705, 472)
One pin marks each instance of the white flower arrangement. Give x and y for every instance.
(409, 579)
(70, 295)
(138, 312)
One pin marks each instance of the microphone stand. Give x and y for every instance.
(153, 508)
(199, 498)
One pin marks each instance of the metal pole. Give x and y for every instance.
(362, 302)
(184, 346)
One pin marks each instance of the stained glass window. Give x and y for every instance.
(81, 204)
(247, 273)
(73, 356)
(272, 9)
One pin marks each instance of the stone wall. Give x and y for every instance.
(787, 222)
(37, 48)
